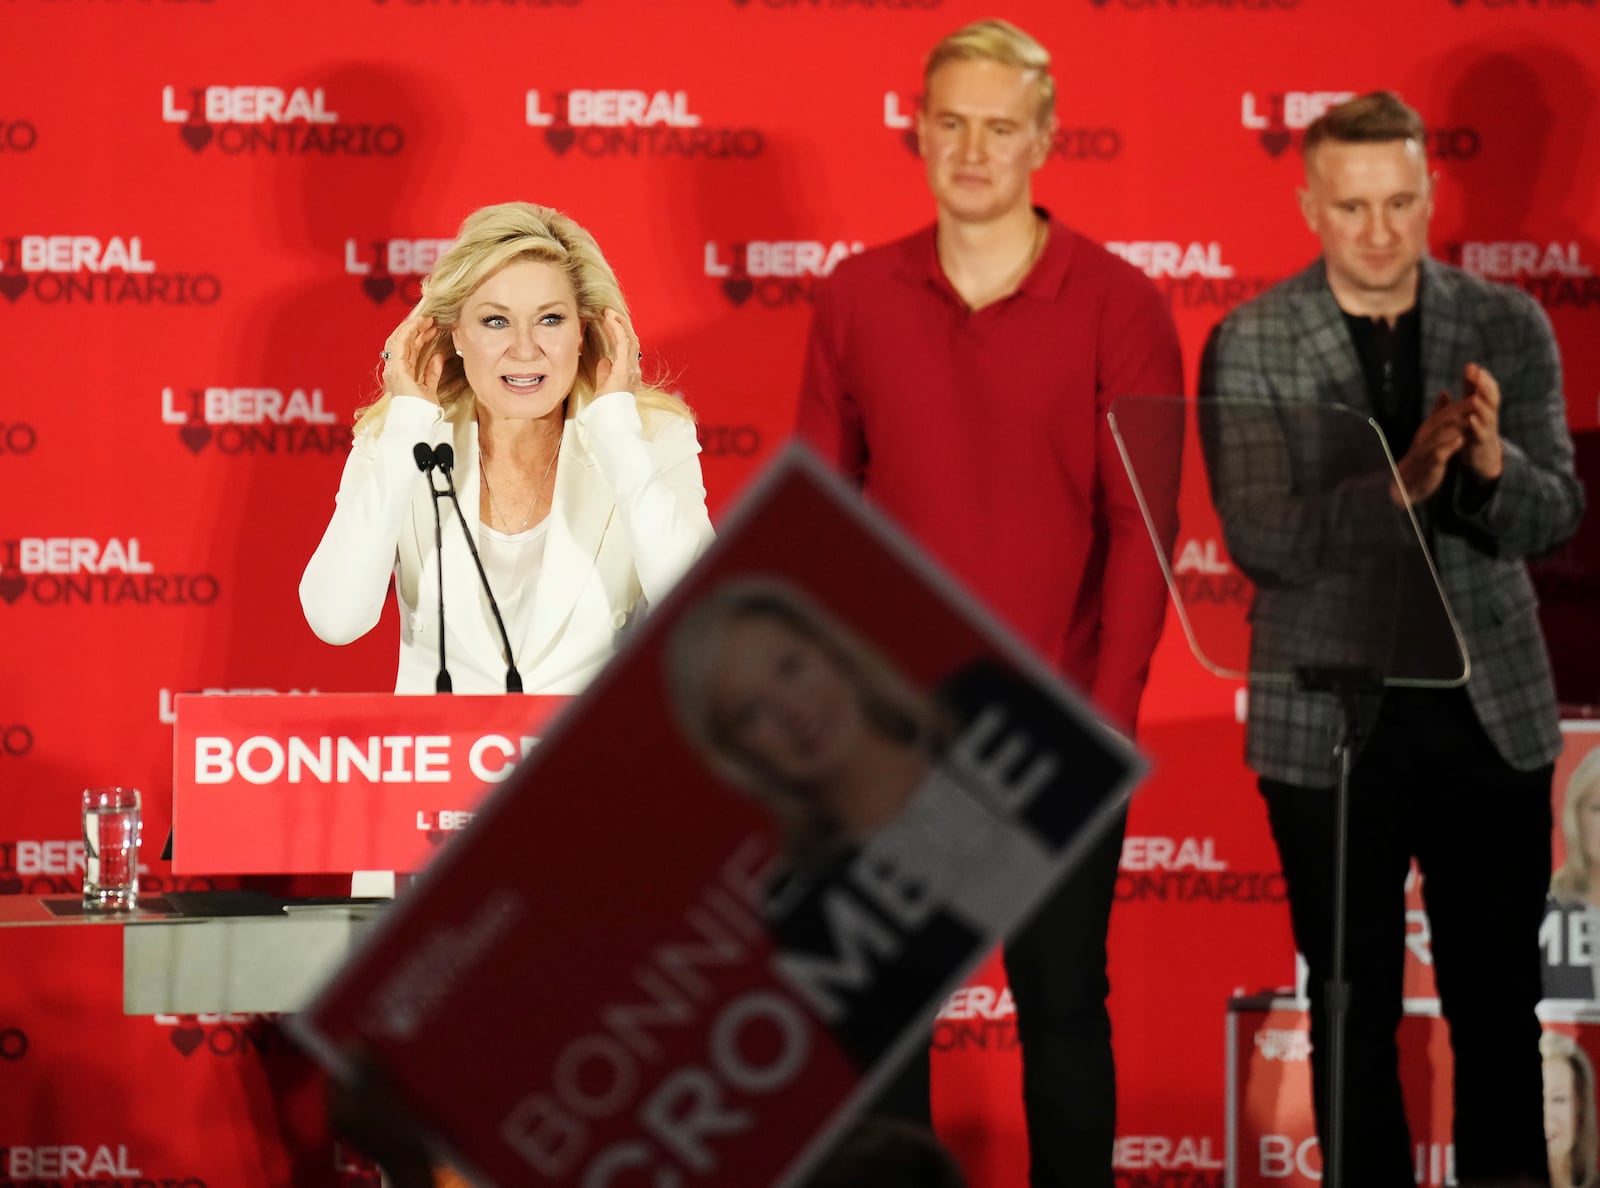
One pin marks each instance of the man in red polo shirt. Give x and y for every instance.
(962, 376)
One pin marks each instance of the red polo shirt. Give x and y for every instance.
(984, 435)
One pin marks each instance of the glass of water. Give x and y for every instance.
(110, 849)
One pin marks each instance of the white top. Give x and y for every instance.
(511, 562)
(627, 518)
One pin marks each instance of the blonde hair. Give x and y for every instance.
(1572, 883)
(1584, 1163)
(1000, 41)
(895, 708)
(491, 238)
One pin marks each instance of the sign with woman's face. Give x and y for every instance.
(742, 1004)
(784, 701)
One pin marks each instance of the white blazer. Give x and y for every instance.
(628, 517)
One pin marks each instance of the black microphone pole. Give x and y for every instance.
(427, 459)
(445, 458)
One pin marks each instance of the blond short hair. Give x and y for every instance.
(491, 238)
(1000, 41)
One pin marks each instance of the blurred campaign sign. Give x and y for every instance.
(728, 892)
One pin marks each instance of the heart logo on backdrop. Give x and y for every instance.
(196, 136)
(738, 289)
(378, 288)
(11, 587)
(187, 1039)
(1275, 140)
(13, 285)
(10, 884)
(195, 436)
(560, 139)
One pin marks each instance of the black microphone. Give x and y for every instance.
(445, 459)
(427, 459)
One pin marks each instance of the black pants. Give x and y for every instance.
(1428, 785)
(1056, 967)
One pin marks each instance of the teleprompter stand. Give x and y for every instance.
(1299, 568)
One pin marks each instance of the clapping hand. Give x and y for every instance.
(1469, 427)
(1438, 439)
(1481, 395)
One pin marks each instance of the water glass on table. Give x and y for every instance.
(111, 829)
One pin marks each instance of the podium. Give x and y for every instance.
(329, 783)
(297, 784)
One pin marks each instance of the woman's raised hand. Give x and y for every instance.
(620, 373)
(404, 373)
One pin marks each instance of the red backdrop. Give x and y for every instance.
(213, 211)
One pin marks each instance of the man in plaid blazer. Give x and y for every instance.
(1464, 379)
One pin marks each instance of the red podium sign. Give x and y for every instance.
(326, 783)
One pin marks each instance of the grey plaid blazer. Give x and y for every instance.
(1314, 553)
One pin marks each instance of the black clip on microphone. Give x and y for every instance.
(445, 459)
(426, 461)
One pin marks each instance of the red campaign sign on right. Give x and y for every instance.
(1272, 1133)
(731, 888)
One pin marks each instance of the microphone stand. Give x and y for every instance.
(445, 459)
(1349, 683)
(427, 459)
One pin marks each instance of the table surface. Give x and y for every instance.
(215, 951)
(22, 911)
(25, 910)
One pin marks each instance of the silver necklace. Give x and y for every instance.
(494, 508)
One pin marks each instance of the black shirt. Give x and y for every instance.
(1391, 359)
